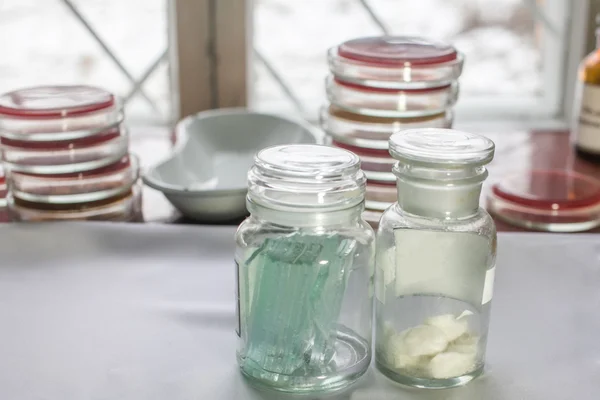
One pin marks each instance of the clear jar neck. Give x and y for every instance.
(439, 193)
(306, 218)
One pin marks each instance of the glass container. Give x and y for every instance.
(58, 113)
(384, 102)
(81, 187)
(547, 200)
(371, 132)
(372, 217)
(396, 62)
(125, 207)
(4, 217)
(380, 196)
(435, 261)
(304, 266)
(376, 164)
(65, 156)
(586, 109)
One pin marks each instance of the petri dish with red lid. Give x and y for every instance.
(75, 188)
(49, 113)
(400, 62)
(547, 200)
(3, 187)
(384, 102)
(65, 156)
(125, 207)
(4, 217)
(369, 132)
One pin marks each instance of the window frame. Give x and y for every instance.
(209, 52)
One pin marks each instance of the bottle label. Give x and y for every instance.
(237, 299)
(451, 264)
(588, 125)
(488, 287)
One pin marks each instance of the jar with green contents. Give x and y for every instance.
(435, 261)
(304, 267)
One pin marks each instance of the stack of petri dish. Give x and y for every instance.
(65, 150)
(381, 85)
(3, 192)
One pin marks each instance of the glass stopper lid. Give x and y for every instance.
(397, 51)
(55, 101)
(441, 147)
(308, 161)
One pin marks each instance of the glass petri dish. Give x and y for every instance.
(371, 132)
(380, 196)
(3, 194)
(3, 188)
(49, 113)
(125, 208)
(82, 187)
(400, 62)
(379, 102)
(376, 164)
(66, 156)
(547, 200)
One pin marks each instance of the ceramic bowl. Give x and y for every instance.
(205, 177)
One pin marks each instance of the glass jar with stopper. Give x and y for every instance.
(435, 261)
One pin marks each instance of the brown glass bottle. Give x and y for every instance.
(586, 126)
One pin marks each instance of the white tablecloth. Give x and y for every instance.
(145, 312)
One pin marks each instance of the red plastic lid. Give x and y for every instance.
(360, 151)
(549, 190)
(55, 101)
(397, 51)
(73, 144)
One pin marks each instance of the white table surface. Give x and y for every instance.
(145, 312)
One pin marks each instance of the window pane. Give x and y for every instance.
(501, 41)
(44, 42)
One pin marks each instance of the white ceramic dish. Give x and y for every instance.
(205, 177)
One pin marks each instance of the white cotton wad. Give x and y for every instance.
(452, 327)
(465, 344)
(451, 364)
(440, 348)
(425, 340)
(398, 352)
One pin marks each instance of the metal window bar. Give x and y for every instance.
(285, 87)
(137, 84)
(374, 17)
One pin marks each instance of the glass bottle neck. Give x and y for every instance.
(306, 218)
(439, 193)
(438, 201)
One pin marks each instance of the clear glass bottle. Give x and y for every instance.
(586, 111)
(435, 261)
(304, 261)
